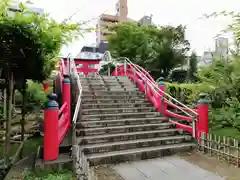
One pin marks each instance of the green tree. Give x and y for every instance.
(157, 49)
(224, 78)
(192, 69)
(29, 46)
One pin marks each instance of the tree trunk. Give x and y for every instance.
(5, 105)
(9, 116)
(13, 100)
(23, 112)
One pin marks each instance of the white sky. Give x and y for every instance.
(200, 33)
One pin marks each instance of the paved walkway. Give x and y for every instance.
(168, 168)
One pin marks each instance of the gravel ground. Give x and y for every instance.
(105, 172)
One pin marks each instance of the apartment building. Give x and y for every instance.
(107, 19)
(221, 52)
(146, 20)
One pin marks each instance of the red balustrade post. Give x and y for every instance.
(50, 148)
(161, 86)
(67, 96)
(202, 124)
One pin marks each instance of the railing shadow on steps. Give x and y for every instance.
(194, 121)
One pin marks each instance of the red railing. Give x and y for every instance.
(197, 119)
(57, 121)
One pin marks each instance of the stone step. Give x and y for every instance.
(119, 116)
(99, 77)
(102, 88)
(136, 154)
(96, 88)
(127, 136)
(119, 122)
(96, 81)
(131, 144)
(104, 77)
(117, 110)
(113, 96)
(63, 159)
(116, 88)
(117, 77)
(108, 100)
(116, 92)
(116, 105)
(116, 98)
(100, 84)
(122, 129)
(126, 82)
(110, 81)
(107, 88)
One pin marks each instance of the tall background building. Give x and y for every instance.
(101, 46)
(221, 52)
(146, 20)
(107, 19)
(221, 47)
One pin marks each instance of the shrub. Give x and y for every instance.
(188, 93)
(34, 94)
(47, 175)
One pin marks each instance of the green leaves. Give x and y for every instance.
(34, 39)
(155, 49)
(234, 26)
(192, 71)
(225, 78)
(21, 7)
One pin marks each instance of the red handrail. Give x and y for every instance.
(182, 126)
(178, 107)
(151, 94)
(178, 116)
(155, 95)
(63, 107)
(63, 125)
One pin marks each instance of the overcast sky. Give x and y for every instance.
(200, 33)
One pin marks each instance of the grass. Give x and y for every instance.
(32, 145)
(48, 175)
(29, 147)
(228, 132)
(12, 150)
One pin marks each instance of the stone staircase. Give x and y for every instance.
(118, 124)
